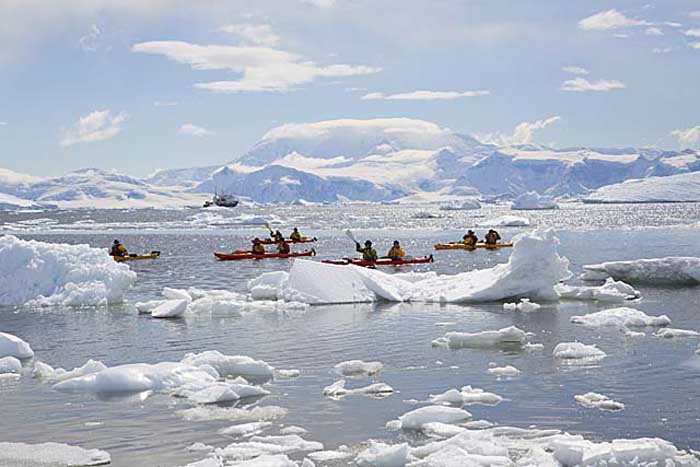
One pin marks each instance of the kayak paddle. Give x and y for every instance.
(350, 235)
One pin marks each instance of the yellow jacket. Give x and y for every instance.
(396, 252)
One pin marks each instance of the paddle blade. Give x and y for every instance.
(350, 235)
(267, 224)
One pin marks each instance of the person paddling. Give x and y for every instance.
(368, 252)
(492, 237)
(118, 249)
(470, 238)
(283, 247)
(258, 247)
(277, 236)
(396, 253)
(295, 236)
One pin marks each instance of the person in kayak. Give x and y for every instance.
(277, 236)
(283, 247)
(396, 253)
(492, 237)
(368, 252)
(118, 249)
(258, 247)
(295, 235)
(470, 238)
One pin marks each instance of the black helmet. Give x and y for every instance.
(368, 243)
(396, 243)
(116, 242)
(295, 229)
(470, 231)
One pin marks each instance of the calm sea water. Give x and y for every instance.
(657, 379)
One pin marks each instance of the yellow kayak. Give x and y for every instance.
(151, 255)
(462, 246)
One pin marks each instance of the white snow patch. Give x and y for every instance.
(598, 401)
(670, 270)
(533, 201)
(13, 346)
(47, 274)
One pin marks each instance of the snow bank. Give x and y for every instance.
(577, 351)
(466, 396)
(358, 368)
(670, 270)
(13, 346)
(54, 454)
(59, 274)
(622, 317)
(383, 455)
(533, 201)
(611, 291)
(532, 271)
(466, 205)
(508, 337)
(415, 419)
(598, 401)
(506, 221)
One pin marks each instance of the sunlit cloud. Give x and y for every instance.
(99, 125)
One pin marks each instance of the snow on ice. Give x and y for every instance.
(415, 419)
(383, 455)
(13, 346)
(47, 274)
(670, 270)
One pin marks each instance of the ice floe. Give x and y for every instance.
(13, 346)
(47, 274)
(330, 455)
(573, 351)
(246, 429)
(507, 371)
(200, 447)
(611, 291)
(622, 317)
(170, 309)
(673, 332)
(358, 368)
(525, 306)
(317, 283)
(230, 365)
(415, 419)
(256, 414)
(511, 336)
(54, 454)
(506, 221)
(533, 201)
(465, 205)
(670, 270)
(338, 389)
(598, 401)
(256, 448)
(10, 365)
(383, 455)
(466, 396)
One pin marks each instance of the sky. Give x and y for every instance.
(137, 85)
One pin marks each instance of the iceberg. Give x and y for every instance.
(598, 401)
(577, 351)
(506, 221)
(511, 336)
(466, 396)
(667, 271)
(672, 332)
(358, 368)
(415, 419)
(532, 271)
(611, 291)
(466, 205)
(622, 317)
(532, 200)
(47, 274)
(13, 346)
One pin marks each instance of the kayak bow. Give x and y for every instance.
(462, 246)
(380, 261)
(151, 255)
(247, 255)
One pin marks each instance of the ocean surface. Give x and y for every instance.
(657, 379)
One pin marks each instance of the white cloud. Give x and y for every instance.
(575, 70)
(660, 50)
(583, 85)
(194, 130)
(424, 95)
(99, 125)
(620, 35)
(522, 134)
(3, 123)
(688, 137)
(694, 14)
(90, 41)
(610, 19)
(164, 104)
(262, 68)
(673, 24)
(258, 34)
(320, 3)
(694, 45)
(653, 31)
(693, 33)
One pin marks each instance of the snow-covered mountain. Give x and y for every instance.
(674, 188)
(186, 177)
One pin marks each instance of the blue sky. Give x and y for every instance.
(172, 83)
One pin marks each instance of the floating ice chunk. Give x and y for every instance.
(307, 463)
(206, 413)
(207, 462)
(57, 273)
(246, 429)
(44, 371)
(170, 309)
(267, 460)
(506, 221)
(510, 336)
(198, 447)
(231, 365)
(13, 346)
(466, 396)
(441, 430)
(54, 454)
(10, 365)
(326, 456)
(673, 332)
(622, 317)
(293, 430)
(145, 308)
(288, 373)
(176, 294)
(670, 270)
(317, 283)
(358, 368)
(526, 306)
(267, 445)
(213, 393)
(267, 285)
(507, 371)
(478, 425)
(383, 455)
(338, 390)
(425, 215)
(415, 419)
(577, 350)
(611, 292)
(533, 201)
(510, 306)
(465, 205)
(598, 401)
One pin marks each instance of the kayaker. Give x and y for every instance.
(278, 236)
(283, 247)
(295, 235)
(492, 237)
(368, 252)
(258, 247)
(118, 249)
(470, 238)
(396, 253)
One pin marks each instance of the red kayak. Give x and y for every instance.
(247, 255)
(271, 241)
(380, 261)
